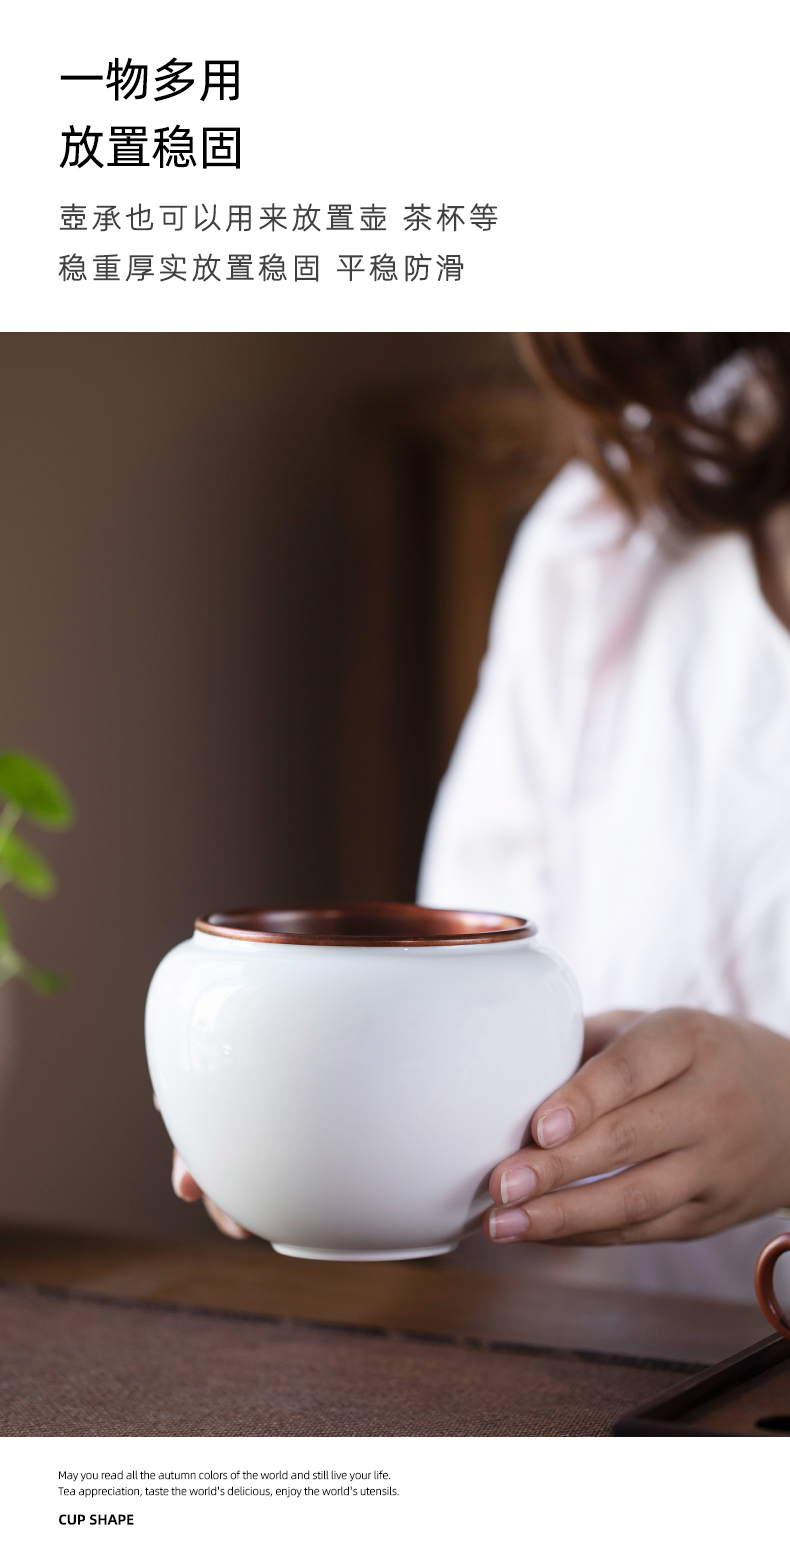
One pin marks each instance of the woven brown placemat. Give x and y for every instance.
(72, 1367)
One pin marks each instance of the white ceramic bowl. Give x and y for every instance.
(343, 1081)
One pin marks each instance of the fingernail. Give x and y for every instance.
(179, 1172)
(507, 1224)
(517, 1183)
(554, 1127)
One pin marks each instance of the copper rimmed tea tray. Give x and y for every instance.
(745, 1396)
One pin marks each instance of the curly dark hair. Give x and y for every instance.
(697, 423)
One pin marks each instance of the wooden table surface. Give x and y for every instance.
(460, 1298)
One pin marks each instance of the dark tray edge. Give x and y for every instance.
(658, 1417)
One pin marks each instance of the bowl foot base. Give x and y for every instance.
(398, 1254)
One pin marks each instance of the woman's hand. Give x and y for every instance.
(185, 1186)
(697, 1107)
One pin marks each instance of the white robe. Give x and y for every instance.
(623, 778)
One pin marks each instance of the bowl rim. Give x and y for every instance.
(423, 925)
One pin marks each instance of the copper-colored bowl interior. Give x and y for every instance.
(366, 925)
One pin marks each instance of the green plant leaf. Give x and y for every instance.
(10, 961)
(44, 980)
(4, 931)
(36, 790)
(27, 869)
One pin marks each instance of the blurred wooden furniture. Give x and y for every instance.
(443, 1298)
(442, 481)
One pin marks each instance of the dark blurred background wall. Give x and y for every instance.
(245, 582)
